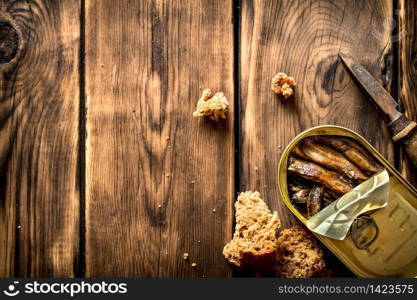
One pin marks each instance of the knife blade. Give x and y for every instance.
(403, 130)
(373, 89)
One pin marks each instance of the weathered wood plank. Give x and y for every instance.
(406, 37)
(302, 39)
(154, 174)
(39, 230)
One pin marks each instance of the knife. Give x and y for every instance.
(404, 131)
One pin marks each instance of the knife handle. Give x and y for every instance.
(410, 146)
(405, 132)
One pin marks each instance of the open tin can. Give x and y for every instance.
(393, 251)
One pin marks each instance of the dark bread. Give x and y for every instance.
(254, 243)
(299, 255)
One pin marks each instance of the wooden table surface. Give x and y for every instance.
(103, 170)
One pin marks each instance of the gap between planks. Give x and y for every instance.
(82, 135)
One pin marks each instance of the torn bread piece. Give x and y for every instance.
(282, 84)
(254, 243)
(212, 106)
(299, 255)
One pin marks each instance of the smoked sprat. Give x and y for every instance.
(323, 168)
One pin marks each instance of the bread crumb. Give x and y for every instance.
(167, 138)
(256, 168)
(159, 205)
(214, 210)
(194, 265)
(254, 240)
(212, 106)
(168, 174)
(282, 84)
(101, 65)
(192, 181)
(185, 256)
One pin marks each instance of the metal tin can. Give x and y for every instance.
(393, 253)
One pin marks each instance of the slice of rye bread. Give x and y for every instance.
(254, 243)
(299, 255)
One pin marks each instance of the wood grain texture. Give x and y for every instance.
(302, 39)
(154, 174)
(407, 42)
(158, 182)
(39, 201)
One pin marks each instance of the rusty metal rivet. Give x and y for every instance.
(364, 232)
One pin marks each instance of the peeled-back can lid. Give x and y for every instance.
(335, 220)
